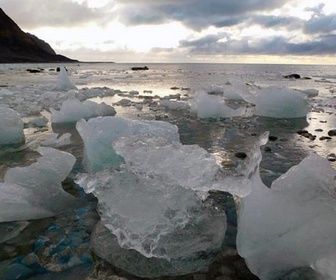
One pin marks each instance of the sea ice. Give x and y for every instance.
(35, 191)
(73, 110)
(63, 81)
(99, 133)
(177, 228)
(213, 106)
(11, 127)
(291, 225)
(310, 92)
(275, 102)
(181, 224)
(189, 166)
(56, 141)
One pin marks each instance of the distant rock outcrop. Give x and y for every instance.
(17, 46)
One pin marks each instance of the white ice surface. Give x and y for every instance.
(73, 110)
(275, 102)
(213, 106)
(63, 81)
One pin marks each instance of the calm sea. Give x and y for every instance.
(56, 241)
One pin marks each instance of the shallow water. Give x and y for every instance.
(61, 244)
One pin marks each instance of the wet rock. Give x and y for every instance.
(292, 76)
(272, 138)
(302, 131)
(228, 164)
(140, 68)
(58, 69)
(306, 134)
(331, 157)
(324, 138)
(34, 70)
(267, 149)
(312, 137)
(240, 155)
(332, 132)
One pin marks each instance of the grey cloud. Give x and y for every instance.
(271, 46)
(41, 13)
(269, 21)
(195, 14)
(321, 24)
(317, 10)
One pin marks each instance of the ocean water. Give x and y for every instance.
(47, 247)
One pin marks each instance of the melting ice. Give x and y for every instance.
(11, 127)
(73, 110)
(291, 225)
(63, 81)
(35, 191)
(280, 103)
(98, 134)
(154, 169)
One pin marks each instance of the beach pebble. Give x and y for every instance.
(240, 155)
(324, 138)
(267, 149)
(227, 163)
(272, 138)
(306, 134)
(302, 132)
(331, 157)
(332, 132)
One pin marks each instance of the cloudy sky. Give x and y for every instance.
(254, 31)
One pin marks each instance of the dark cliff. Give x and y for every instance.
(17, 46)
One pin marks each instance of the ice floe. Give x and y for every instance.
(63, 81)
(292, 224)
(275, 102)
(98, 134)
(213, 106)
(11, 127)
(35, 191)
(73, 110)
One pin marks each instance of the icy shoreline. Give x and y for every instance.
(276, 156)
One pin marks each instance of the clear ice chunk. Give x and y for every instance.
(73, 110)
(213, 106)
(275, 102)
(63, 81)
(99, 133)
(187, 165)
(291, 225)
(11, 127)
(35, 191)
(156, 218)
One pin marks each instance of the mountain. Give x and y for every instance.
(17, 46)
